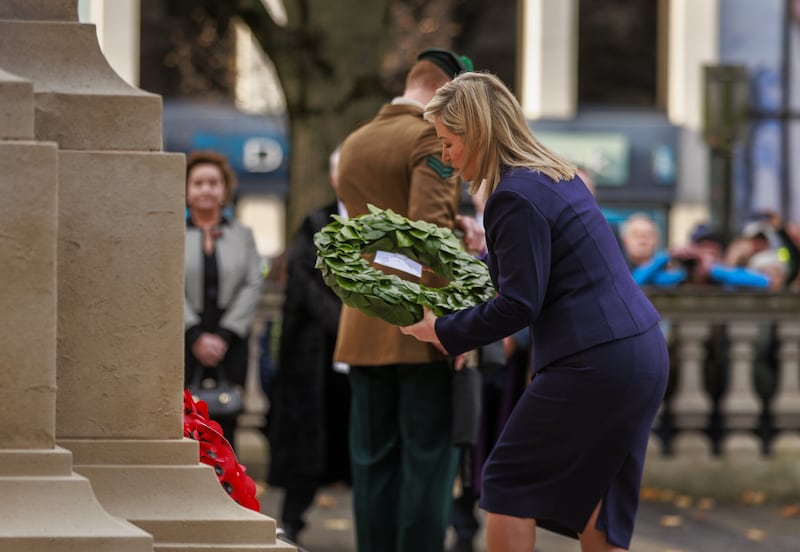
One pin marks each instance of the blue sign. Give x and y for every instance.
(245, 152)
(256, 146)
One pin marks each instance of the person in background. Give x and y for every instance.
(222, 277)
(571, 455)
(765, 235)
(403, 461)
(310, 399)
(700, 263)
(639, 238)
(771, 264)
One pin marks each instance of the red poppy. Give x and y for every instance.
(217, 452)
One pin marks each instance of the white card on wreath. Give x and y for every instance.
(398, 262)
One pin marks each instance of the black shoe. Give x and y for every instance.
(461, 545)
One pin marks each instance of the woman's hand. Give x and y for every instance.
(425, 329)
(209, 349)
(474, 235)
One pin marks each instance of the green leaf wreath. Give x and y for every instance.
(342, 244)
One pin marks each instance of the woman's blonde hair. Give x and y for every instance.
(481, 110)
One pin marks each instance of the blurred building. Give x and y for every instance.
(635, 92)
(249, 128)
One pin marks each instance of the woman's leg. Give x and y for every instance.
(510, 534)
(594, 540)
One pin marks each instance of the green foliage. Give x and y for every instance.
(342, 244)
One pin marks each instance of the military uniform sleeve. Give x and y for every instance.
(434, 192)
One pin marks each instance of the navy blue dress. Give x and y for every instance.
(578, 434)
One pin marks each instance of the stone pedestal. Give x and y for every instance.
(119, 356)
(44, 506)
(160, 487)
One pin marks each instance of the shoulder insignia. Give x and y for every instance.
(441, 168)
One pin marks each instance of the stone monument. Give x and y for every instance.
(109, 311)
(45, 505)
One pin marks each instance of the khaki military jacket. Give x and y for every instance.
(393, 162)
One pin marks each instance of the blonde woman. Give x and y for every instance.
(570, 457)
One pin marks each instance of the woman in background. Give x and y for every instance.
(222, 277)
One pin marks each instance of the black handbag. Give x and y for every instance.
(224, 399)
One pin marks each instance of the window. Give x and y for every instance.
(621, 53)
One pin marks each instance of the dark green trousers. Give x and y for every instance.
(403, 462)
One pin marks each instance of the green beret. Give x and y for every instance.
(450, 62)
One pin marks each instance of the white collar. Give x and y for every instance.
(400, 100)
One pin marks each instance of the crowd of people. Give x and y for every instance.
(764, 255)
(359, 401)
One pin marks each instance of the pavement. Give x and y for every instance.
(666, 522)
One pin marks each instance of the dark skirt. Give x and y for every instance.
(578, 435)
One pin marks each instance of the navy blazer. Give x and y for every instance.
(557, 268)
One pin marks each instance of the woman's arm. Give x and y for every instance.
(519, 238)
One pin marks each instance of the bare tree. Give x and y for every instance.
(337, 63)
(187, 49)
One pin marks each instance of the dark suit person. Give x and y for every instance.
(310, 400)
(571, 455)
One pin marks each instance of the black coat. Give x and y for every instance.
(307, 424)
